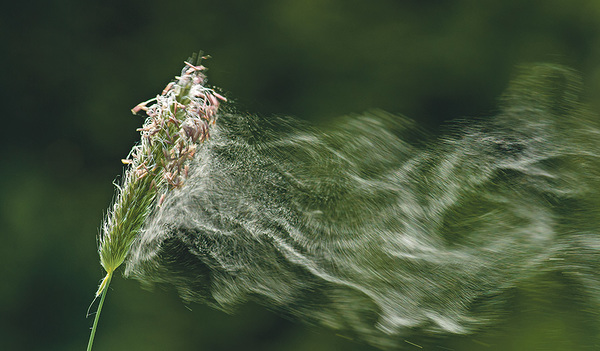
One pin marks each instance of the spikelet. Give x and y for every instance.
(177, 120)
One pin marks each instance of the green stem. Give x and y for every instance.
(104, 287)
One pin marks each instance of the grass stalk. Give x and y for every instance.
(103, 290)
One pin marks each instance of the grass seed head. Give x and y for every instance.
(177, 120)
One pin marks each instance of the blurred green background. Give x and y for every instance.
(72, 70)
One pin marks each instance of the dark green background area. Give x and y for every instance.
(72, 70)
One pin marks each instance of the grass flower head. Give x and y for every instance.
(177, 121)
